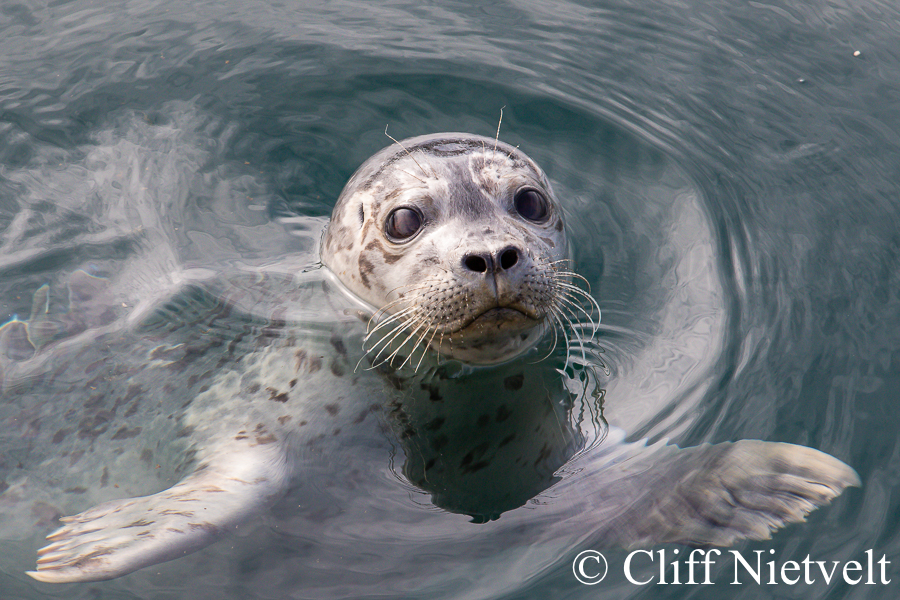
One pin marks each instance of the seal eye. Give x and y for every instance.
(403, 223)
(532, 205)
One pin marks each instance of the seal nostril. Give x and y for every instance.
(475, 263)
(508, 258)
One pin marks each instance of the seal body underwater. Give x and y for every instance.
(445, 269)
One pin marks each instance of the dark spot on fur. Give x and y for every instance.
(542, 455)
(284, 419)
(147, 455)
(339, 346)
(430, 464)
(337, 369)
(253, 388)
(315, 363)
(366, 268)
(302, 423)
(265, 439)
(91, 427)
(124, 433)
(362, 214)
(434, 393)
(277, 396)
(435, 424)
(132, 392)
(133, 408)
(3, 486)
(185, 431)
(59, 436)
(507, 440)
(104, 477)
(440, 441)
(292, 383)
(207, 527)
(75, 490)
(333, 409)
(503, 413)
(514, 382)
(300, 359)
(336, 431)
(94, 401)
(476, 466)
(559, 225)
(240, 437)
(203, 388)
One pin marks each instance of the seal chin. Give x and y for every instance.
(497, 335)
(498, 319)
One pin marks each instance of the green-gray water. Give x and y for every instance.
(730, 172)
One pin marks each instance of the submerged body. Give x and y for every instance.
(446, 251)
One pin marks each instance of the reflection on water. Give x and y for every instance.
(729, 176)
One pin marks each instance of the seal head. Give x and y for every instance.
(458, 241)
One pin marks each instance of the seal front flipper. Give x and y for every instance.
(719, 494)
(118, 537)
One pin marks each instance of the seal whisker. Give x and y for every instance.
(383, 311)
(408, 154)
(396, 331)
(552, 327)
(403, 290)
(425, 348)
(411, 175)
(427, 328)
(419, 324)
(573, 305)
(404, 321)
(562, 328)
(420, 317)
(497, 138)
(575, 332)
(575, 276)
(393, 327)
(394, 317)
(578, 292)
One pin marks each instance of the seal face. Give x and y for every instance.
(458, 240)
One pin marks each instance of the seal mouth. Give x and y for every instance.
(499, 318)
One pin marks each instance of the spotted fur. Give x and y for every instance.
(480, 441)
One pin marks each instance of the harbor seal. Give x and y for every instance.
(452, 249)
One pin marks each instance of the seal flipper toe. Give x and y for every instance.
(121, 536)
(720, 494)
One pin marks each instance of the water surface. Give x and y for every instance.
(729, 171)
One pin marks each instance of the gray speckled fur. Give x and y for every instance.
(220, 419)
